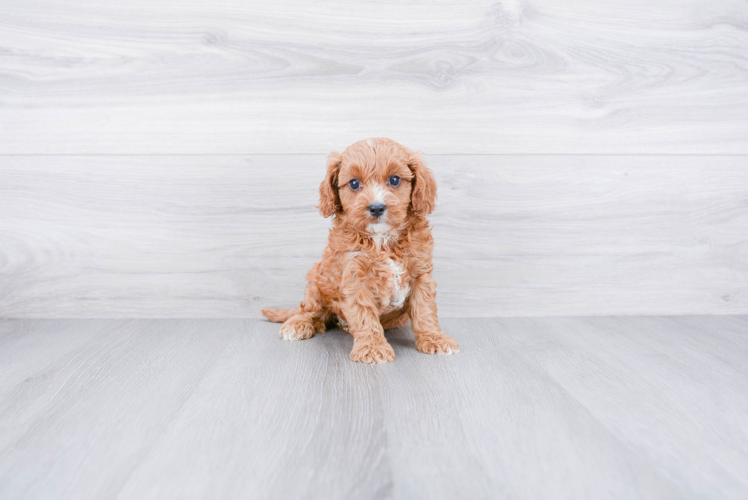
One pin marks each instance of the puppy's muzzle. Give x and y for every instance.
(377, 209)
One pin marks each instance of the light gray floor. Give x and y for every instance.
(616, 407)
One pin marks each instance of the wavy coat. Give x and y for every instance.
(376, 271)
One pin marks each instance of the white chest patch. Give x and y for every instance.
(399, 290)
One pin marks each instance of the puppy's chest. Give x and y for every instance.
(396, 285)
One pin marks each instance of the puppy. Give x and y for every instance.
(376, 271)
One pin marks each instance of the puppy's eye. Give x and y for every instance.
(354, 184)
(394, 181)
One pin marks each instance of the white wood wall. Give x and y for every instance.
(161, 158)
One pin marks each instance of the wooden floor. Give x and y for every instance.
(604, 407)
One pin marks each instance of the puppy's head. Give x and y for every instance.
(375, 184)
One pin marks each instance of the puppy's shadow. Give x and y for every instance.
(402, 337)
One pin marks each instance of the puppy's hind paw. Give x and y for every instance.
(297, 329)
(437, 343)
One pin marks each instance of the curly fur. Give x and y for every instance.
(376, 273)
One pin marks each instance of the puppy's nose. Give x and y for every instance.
(377, 209)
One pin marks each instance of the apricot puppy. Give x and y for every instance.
(375, 273)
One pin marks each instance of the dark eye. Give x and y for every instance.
(394, 181)
(354, 184)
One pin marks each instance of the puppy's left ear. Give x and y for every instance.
(329, 200)
(423, 196)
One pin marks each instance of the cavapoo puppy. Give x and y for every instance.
(375, 273)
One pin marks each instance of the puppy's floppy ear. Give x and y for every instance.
(329, 200)
(423, 196)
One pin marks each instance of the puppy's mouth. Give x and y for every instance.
(379, 227)
(377, 216)
(380, 233)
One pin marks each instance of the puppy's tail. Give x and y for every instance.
(279, 315)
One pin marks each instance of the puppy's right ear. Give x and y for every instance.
(329, 200)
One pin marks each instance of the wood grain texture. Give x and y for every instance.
(53, 419)
(514, 76)
(223, 236)
(616, 407)
(688, 362)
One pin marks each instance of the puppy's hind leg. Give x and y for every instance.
(307, 319)
(396, 319)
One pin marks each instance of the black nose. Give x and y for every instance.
(377, 209)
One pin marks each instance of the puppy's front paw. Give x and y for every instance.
(372, 350)
(297, 329)
(437, 343)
